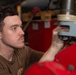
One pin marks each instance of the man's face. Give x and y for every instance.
(12, 34)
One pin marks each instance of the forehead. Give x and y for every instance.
(12, 20)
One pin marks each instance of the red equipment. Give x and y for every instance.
(64, 64)
(47, 68)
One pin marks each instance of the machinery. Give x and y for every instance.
(47, 68)
(65, 61)
(67, 18)
(64, 64)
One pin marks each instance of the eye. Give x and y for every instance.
(14, 28)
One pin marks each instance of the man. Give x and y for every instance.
(14, 55)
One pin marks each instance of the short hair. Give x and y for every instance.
(4, 12)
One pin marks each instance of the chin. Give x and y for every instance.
(20, 46)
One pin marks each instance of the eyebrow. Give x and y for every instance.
(16, 25)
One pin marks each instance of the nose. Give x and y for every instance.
(21, 31)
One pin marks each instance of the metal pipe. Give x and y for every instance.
(68, 7)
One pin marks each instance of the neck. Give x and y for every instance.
(6, 52)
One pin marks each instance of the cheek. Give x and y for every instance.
(9, 40)
(9, 37)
